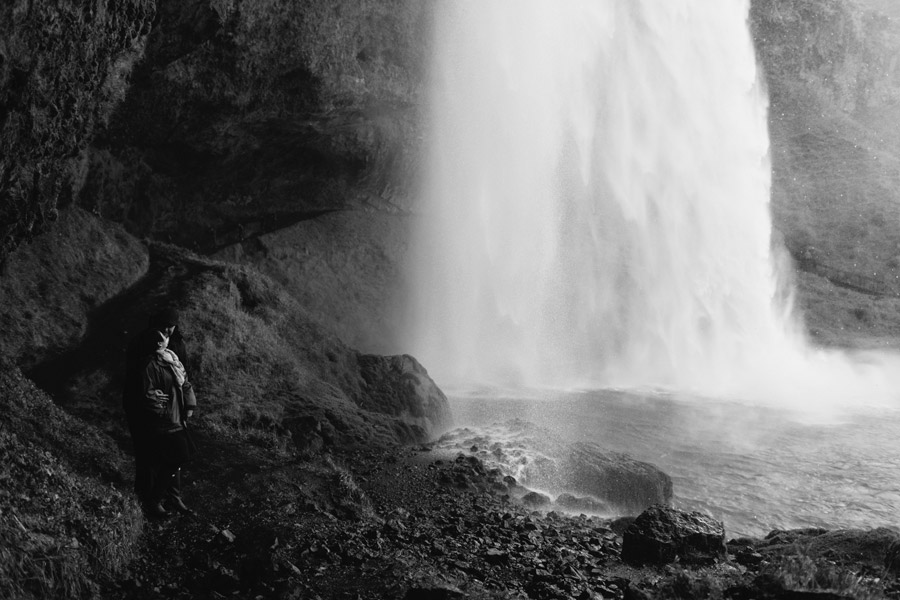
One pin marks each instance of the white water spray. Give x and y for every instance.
(596, 203)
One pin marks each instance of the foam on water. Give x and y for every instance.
(753, 468)
(596, 209)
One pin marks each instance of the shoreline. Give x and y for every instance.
(412, 523)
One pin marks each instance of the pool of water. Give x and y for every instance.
(754, 468)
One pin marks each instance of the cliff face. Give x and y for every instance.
(242, 117)
(246, 116)
(63, 67)
(826, 57)
(834, 83)
(215, 124)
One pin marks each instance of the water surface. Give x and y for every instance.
(754, 468)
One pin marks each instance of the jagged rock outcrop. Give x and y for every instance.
(383, 400)
(400, 387)
(834, 92)
(63, 67)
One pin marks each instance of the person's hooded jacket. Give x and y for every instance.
(165, 401)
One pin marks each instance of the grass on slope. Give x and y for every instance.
(64, 527)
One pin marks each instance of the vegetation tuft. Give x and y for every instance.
(802, 573)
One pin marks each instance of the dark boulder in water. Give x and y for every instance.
(660, 535)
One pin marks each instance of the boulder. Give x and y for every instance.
(398, 386)
(433, 592)
(617, 479)
(662, 535)
(535, 500)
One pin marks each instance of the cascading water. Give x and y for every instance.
(595, 203)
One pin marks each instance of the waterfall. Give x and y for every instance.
(595, 201)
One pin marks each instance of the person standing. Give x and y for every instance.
(168, 401)
(157, 406)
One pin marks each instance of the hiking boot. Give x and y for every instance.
(156, 511)
(180, 506)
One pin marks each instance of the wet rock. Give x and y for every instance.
(496, 557)
(535, 499)
(660, 535)
(748, 558)
(230, 537)
(621, 524)
(632, 592)
(437, 592)
(618, 479)
(576, 503)
(744, 552)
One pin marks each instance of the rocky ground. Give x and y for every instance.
(412, 523)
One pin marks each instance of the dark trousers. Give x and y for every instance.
(157, 473)
(144, 471)
(170, 451)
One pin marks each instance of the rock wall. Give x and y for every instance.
(833, 77)
(248, 115)
(63, 67)
(825, 56)
(344, 267)
(50, 286)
